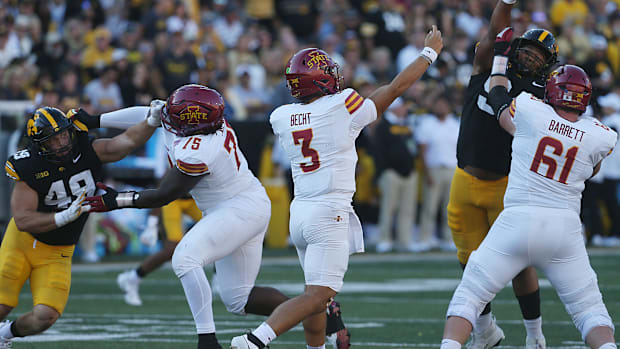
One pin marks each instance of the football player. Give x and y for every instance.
(554, 151)
(318, 134)
(483, 154)
(52, 176)
(208, 164)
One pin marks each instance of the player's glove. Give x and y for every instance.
(154, 116)
(91, 121)
(72, 213)
(111, 200)
(149, 235)
(501, 47)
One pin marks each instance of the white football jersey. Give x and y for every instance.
(551, 156)
(216, 156)
(319, 140)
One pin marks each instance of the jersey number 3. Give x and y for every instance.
(306, 137)
(551, 163)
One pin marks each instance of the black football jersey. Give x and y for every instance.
(58, 184)
(482, 142)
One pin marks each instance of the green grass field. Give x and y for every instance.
(388, 301)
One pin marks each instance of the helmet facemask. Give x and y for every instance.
(58, 147)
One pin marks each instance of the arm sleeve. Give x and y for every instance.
(10, 170)
(124, 118)
(362, 110)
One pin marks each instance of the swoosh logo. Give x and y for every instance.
(537, 84)
(77, 158)
(63, 255)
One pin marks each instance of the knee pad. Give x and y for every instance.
(587, 309)
(235, 300)
(184, 261)
(473, 293)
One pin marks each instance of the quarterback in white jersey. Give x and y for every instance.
(206, 161)
(554, 151)
(318, 135)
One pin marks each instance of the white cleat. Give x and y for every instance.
(491, 337)
(129, 282)
(242, 342)
(535, 343)
(5, 343)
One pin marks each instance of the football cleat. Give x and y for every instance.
(489, 338)
(535, 343)
(129, 282)
(243, 342)
(338, 336)
(5, 343)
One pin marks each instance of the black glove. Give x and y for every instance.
(109, 201)
(80, 115)
(501, 47)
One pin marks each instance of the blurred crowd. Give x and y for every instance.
(102, 55)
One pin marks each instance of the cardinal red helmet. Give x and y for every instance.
(311, 72)
(193, 109)
(568, 87)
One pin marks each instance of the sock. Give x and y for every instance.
(198, 294)
(5, 331)
(450, 344)
(533, 327)
(483, 322)
(207, 341)
(140, 272)
(530, 305)
(321, 347)
(264, 333)
(608, 346)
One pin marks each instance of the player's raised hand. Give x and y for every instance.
(81, 115)
(501, 47)
(434, 40)
(109, 201)
(154, 116)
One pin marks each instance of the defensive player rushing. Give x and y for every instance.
(554, 151)
(318, 136)
(52, 176)
(483, 153)
(208, 164)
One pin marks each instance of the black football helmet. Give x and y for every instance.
(52, 135)
(521, 59)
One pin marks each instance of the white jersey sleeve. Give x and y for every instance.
(188, 158)
(362, 110)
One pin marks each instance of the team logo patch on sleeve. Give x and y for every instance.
(10, 171)
(353, 102)
(192, 169)
(513, 107)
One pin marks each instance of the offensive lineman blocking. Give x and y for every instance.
(540, 224)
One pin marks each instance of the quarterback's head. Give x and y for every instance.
(568, 87)
(193, 109)
(534, 53)
(52, 134)
(311, 72)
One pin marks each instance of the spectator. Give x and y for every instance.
(104, 92)
(9, 43)
(98, 54)
(177, 64)
(229, 28)
(437, 136)
(154, 22)
(70, 90)
(568, 10)
(301, 15)
(395, 153)
(255, 101)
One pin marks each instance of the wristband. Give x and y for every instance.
(500, 65)
(429, 54)
(509, 2)
(127, 199)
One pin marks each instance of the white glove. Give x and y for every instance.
(72, 213)
(154, 116)
(149, 235)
